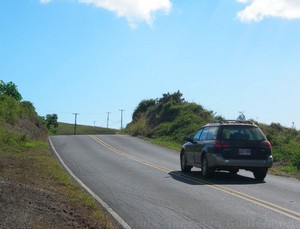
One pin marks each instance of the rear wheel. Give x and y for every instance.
(207, 172)
(260, 173)
(184, 167)
(233, 172)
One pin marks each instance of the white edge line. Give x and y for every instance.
(104, 205)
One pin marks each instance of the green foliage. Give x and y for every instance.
(139, 127)
(28, 110)
(19, 124)
(285, 143)
(9, 109)
(142, 108)
(169, 117)
(51, 122)
(175, 98)
(10, 89)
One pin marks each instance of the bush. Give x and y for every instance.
(169, 117)
(138, 128)
(9, 109)
(19, 123)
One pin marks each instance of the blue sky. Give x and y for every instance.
(95, 56)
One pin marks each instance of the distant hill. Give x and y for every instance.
(68, 129)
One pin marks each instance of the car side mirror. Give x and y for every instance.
(188, 138)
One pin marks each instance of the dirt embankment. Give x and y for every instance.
(35, 192)
(24, 206)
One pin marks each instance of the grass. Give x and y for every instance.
(35, 166)
(26, 159)
(285, 170)
(68, 129)
(165, 143)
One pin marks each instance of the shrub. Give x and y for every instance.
(139, 127)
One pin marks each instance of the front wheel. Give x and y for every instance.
(260, 174)
(207, 172)
(184, 167)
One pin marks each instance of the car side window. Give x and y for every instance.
(197, 135)
(204, 134)
(212, 133)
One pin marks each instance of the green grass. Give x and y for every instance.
(165, 143)
(285, 170)
(34, 165)
(68, 129)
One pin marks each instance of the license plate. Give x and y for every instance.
(244, 152)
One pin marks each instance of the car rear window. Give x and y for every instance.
(251, 133)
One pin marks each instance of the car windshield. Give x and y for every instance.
(242, 133)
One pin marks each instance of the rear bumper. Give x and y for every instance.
(219, 162)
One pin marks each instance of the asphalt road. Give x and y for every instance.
(143, 184)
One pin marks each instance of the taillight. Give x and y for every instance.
(266, 144)
(220, 145)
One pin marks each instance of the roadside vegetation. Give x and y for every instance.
(168, 119)
(68, 129)
(35, 190)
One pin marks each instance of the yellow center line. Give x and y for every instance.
(115, 150)
(283, 211)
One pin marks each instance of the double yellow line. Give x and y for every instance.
(273, 207)
(117, 151)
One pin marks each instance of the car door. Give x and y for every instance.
(191, 147)
(199, 146)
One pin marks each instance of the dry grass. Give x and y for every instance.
(36, 169)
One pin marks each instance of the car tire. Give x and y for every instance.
(183, 164)
(233, 172)
(207, 172)
(260, 174)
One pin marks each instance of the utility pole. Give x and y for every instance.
(94, 123)
(107, 119)
(75, 126)
(121, 118)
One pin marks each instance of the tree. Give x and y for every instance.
(10, 89)
(51, 120)
(175, 98)
(143, 106)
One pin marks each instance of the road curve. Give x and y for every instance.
(142, 183)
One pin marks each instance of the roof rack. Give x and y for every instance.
(233, 121)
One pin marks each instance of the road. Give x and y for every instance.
(143, 184)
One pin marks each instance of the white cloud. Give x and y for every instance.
(134, 11)
(260, 9)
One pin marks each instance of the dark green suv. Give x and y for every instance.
(227, 145)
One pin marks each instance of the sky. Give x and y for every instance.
(92, 57)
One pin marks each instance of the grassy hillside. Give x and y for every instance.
(35, 190)
(168, 119)
(68, 129)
